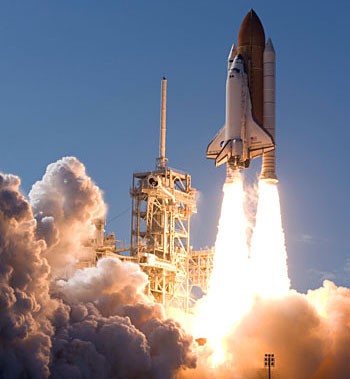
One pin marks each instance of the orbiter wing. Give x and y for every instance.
(258, 139)
(216, 144)
(224, 155)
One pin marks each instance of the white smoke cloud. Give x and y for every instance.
(24, 301)
(98, 323)
(65, 203)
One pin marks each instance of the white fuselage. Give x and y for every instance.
(235, 108)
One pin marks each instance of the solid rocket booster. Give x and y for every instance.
(250, 92)
(268, 169)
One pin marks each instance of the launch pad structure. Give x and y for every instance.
(162, 205)
(163, 202)
(200, 268)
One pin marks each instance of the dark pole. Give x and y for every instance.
(269, 362)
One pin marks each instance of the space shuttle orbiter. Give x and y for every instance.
(249, 126)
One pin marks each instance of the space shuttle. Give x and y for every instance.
(249, 129)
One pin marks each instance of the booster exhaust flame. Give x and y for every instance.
(268, 249)
(228, 296)
(241, 273)
(250, 309)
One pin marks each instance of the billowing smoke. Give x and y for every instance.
(111, 321)
(65, 204)
(89, 323)
(25, 303)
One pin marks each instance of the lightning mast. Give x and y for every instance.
(161, 160)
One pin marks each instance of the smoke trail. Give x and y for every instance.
(97, 323)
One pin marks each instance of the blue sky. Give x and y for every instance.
(83, 78)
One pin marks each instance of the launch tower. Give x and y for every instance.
(163, 202)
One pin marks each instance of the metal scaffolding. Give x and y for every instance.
(162, 205)
(200, 268)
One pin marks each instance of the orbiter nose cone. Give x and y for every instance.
(251, 31)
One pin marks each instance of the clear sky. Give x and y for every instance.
(83, 78)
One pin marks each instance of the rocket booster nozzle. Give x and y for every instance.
(232, 174)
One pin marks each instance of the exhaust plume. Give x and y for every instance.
(268, 251)
(228, 293)
(308, 334)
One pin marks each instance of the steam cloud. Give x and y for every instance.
(90, 323)
(65, 203)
